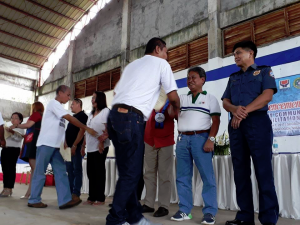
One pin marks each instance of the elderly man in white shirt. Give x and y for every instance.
(135, 97)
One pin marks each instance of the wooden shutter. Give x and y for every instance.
(198, 52)
(191, 54)
(269, 28)
(177, 58)
(115, 77)
(293, 18)
(264, 29)
(90, 86)
(104, 82)
(236, 34)
(80, 89)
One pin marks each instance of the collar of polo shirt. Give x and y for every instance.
(195, 98)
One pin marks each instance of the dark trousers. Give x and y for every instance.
(96, 173)
(74, 169)
(254, 138)
(9, 158)
(140, 187)
(126, 130)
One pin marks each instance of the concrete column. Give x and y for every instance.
(214, 31)
(70, 82)
(125, 35)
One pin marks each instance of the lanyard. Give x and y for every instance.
(160, 117)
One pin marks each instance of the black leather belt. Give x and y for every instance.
(129, 108)
(194, 132)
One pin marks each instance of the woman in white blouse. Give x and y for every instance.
(10, 154)
(97, 150)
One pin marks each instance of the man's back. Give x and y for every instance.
(140, 83)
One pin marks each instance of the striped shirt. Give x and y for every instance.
(196, 112)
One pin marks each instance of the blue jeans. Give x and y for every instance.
(74, 169)
(44, 156)
(126, 130)
(189, 148)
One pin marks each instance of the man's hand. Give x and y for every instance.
(3, 143)
(82, 151)
(209, 146)
(91, 131)
(101, 147)
(8, 129)
(235, 122)
(65, 145)
(73, 150)
(13, 127)
(240, 112)
(103, 136)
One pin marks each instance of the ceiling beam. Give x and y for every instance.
(34, 17)
(73, 6)
(51, 10)
(22, 50)
(24, 39)
(28, 28)
(19, 60)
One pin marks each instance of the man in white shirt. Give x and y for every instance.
(2, 140)
(196, 143)
(51, 136)
(135, 96)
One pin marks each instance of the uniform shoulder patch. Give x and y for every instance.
(271, 74)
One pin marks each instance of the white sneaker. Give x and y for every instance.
(126, 223)
(145, 221)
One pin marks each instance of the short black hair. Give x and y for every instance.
(62, 88)
(78, 101)
(246, 45)
(152, 43)
(19, 115)
(198, 70)
(100, 100)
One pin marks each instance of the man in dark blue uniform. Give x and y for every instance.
(246, 97)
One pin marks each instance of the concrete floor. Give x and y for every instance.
(14, 211)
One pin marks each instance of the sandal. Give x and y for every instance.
(88, 202)
(96, 203)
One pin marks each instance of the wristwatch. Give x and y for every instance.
(211, 139)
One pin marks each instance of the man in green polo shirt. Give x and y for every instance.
(196, 136)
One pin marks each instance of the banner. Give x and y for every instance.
(284, 109)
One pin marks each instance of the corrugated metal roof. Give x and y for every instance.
(30, 30)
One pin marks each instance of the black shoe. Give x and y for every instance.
(110, 205)
(147, 209)
(239, 222)
(161, 212)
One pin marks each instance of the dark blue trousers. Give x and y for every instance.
(74, 169)
(254, 138)
(126, 130)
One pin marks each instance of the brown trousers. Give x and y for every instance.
(158, 161)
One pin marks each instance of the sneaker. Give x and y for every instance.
(145, 221)
(181, 216)
(126, 223)
(208, 219)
